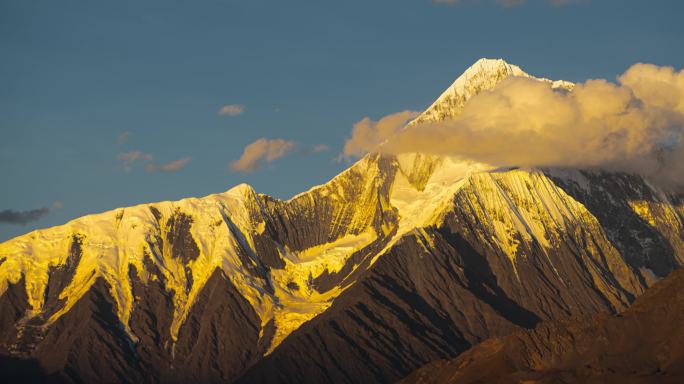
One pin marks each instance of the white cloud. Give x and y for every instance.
(260, 151)
(128, 159)
(636, 125)
(368, 134)
(232, 110)
(172, 166)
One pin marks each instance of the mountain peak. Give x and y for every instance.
(483, 75)
(241, 190)
(492, 66)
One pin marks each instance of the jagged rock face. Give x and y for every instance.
(13, 305)
(397, 261)
(644, 344)
(417, 304)
(484, 271)
(642, 222)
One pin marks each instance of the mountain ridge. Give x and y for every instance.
(314, 272)
(640, 345)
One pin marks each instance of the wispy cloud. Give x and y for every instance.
(259, 152)
(232, 110)
(368, 134)
(128, 159)
(10, 216)
(123, 137)
(318, 148)
(172, 166)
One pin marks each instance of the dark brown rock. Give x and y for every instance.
(412, 307)
(644, 344)
(13, 307)
(220, 337)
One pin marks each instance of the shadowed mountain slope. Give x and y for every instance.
(644, 344)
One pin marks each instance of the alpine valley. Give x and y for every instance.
(397, 262)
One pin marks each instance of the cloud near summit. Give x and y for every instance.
(368, 134)
(635, 125)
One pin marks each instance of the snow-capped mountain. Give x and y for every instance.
(395, 262)
(484, 75)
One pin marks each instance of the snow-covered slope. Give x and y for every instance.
(556, 241)
(310, 236)
(484, 75)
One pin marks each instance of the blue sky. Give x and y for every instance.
(75, 75)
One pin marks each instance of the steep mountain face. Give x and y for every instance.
(514, 249)
(644, 344)
(396, 262)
